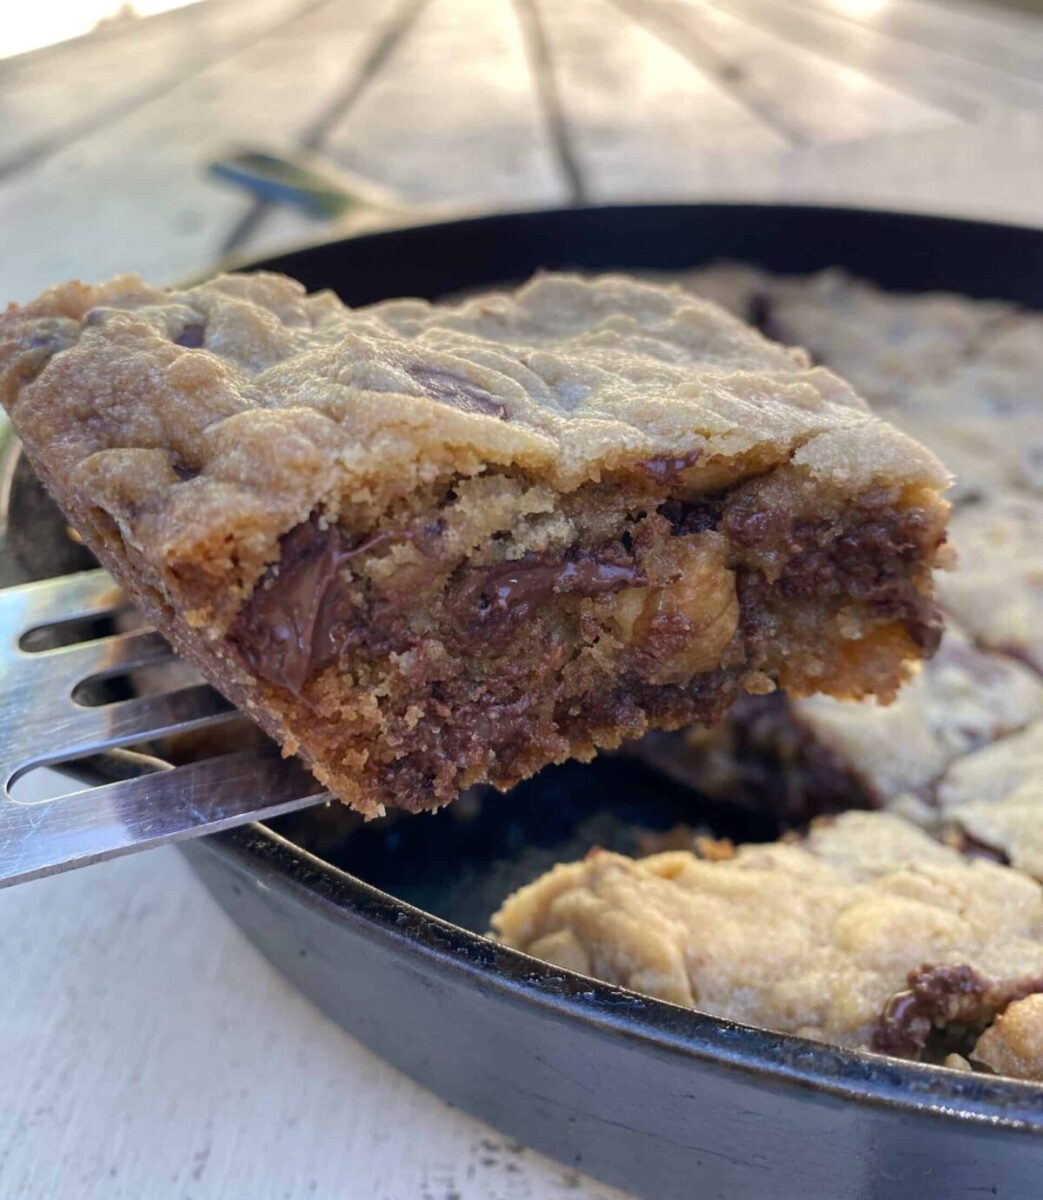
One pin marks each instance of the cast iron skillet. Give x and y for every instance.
(648, 1096)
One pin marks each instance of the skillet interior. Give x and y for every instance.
(381, 929)
(461, 863)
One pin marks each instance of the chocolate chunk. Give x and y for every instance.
(871, 561)
(926, 626)
(951, 1000)
(665, 467)
(760, 529)
(298, 617)
(939, 995)
(973, 847)
(760, 313)
(903, 1027)
(692, 516)
(192, 336)
(516, 590)
(460, 393)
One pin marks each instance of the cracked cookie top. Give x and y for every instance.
(244, 402)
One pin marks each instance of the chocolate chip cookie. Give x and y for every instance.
(430, 545)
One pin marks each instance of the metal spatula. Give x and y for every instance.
(50, 715)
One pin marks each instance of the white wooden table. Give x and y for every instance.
(147, 1051)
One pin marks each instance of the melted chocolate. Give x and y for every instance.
(460, 393)
(296, 621)
(872, 562)
(192, 336)
(939, 994)
(692, 516)
(973, 847)
(515, 590)
(663, 467)
(951, 1000)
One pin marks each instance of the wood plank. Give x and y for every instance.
(1020, 18)
(965, 88)
(266, 224)
(155, 1055)
(135, 196)
(643, 120)
(986, 170)
(985, 34)
(453, 122)
(51, 96)
(545, 77)
(810, 97)
(454, 116)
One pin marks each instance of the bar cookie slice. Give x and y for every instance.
(994, 800)
(866, 933)
(997, 592)
(430, 545)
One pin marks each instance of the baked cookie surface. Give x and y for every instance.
(865, 933)
(431, 545)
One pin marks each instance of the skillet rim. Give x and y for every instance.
(858, 1076)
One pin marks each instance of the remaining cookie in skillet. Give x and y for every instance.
(426, 545)
(887, 344)
(994, 799)
(866, 933)
(819, 755)
(985, 417)
(963, 376)
(996, 595)
(985, 456)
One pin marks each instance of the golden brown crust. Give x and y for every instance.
(293, 402)
(194, 437)
(1013, 1045)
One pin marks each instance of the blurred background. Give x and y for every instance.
(111, 114)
